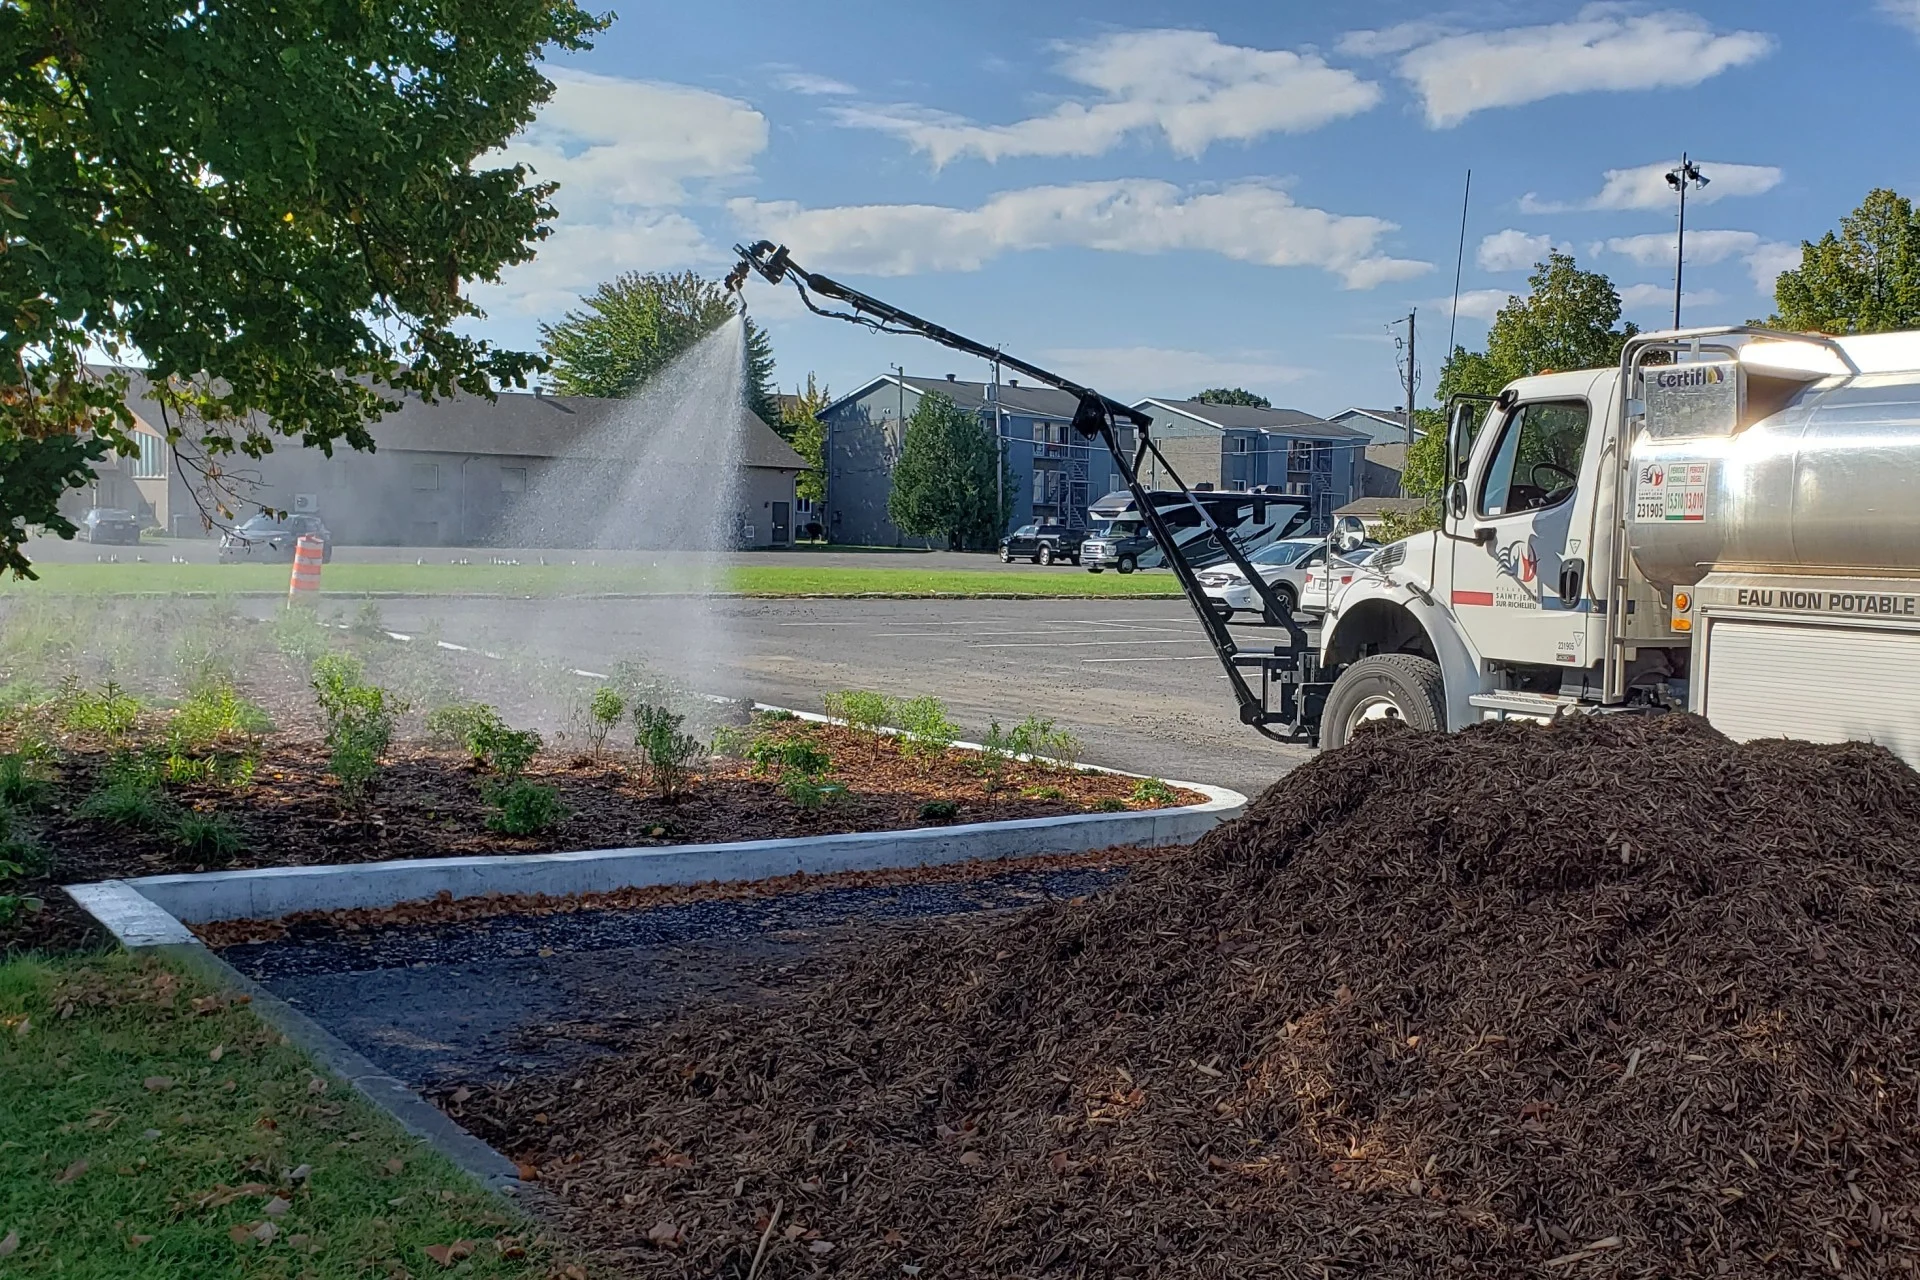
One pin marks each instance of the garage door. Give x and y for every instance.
(1823, 684)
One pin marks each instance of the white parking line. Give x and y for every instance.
(1074, 644)
(1198, 657)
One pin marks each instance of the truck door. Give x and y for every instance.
(1520, 504)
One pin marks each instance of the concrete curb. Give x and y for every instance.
(153, 910)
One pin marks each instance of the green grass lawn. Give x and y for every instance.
(787, 579)
(150, 1130)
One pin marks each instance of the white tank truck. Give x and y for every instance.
(1729, 523)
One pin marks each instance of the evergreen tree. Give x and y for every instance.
(635, 325)
(944, 483)
(1864, 280)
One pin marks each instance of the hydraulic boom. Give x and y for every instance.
(1275, 709)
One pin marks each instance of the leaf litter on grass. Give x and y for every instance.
(1609, 997)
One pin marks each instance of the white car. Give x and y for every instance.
(1296, 569)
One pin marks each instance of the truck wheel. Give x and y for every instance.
(1388, 686)
(1095, 568)
(1126, 564)
(1046, 554)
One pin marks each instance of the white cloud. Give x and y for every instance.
(1768, 260)
(626, 154)
(1904, 12)
(1703, 247)
(1129, 372)
(1514, 250)
(1387, 41)
(1645, 187)
(1604, 48)
(1248, 222)
(1659, 298)
(1186, 86)
(1475, 304)
(813, 85)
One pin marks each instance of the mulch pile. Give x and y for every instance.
(1610, 997)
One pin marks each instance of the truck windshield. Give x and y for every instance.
(1117, 529)
(1538, 458)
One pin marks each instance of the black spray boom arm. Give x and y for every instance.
(1281, 670)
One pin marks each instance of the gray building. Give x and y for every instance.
(450, 474)
(1235, 447)
(1055, 475)
(1383, 426)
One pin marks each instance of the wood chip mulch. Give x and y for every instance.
(1614, 997)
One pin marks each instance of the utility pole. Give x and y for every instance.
(1680, 179)
(999, 454)
(1411, 372)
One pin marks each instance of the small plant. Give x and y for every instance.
(300, 635)
(522, 808)
(1154, 792)
(22, 785)
(1108, 804)
(367, 620)
(861, 710)
(779, 715)
(1039, 740)
(213, 713)
(995, 756)
(209, 837)
(506, 751)
(1044, 793)
(128, 804)
(808, 792)
(360, 721)
(730, 742)
(928, 731)
(458, 723)
(111, 713)
(604, 710)
(939, 811)
(670, 752)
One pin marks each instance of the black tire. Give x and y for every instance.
(1126, 564)
(1074, 560)
(1224, 613)
(1388, 686)
(1006, 556)
(1046, 555)
(1095, 568)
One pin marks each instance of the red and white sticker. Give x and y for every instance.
(1665, 491)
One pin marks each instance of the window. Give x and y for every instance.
(1115, 482)
(1040, 433)
(513, 479)
(1238, 486)
(1537, 459)
(426, 475)
(150, 460)
(1239, 444)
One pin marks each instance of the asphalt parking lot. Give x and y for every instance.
(1135, 679)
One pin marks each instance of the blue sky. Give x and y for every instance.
(1159, 197)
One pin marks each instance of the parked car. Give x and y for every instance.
(1297, 569)
(265, 537)
(1043, 544)
(1231, 593)
(111, 524)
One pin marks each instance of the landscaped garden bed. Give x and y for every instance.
(230, 744)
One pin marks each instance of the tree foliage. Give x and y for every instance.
(1866, 279)
(801, 425)
(1233, 395)
(1570, 319)
(635, 325)
(944, 482)
(274, 207)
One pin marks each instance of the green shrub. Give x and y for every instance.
(1044, 793)
(939, 811)
(522, 808)
(506, 751)
(111, 713)
(1154, 792)
(20, 856)
(604, 710)
(1108, 804)
(776, 715)
(1039, 740)
(22, 783)
(130, 805)
(861, 710)
(210, 837)
(214, 712)
(807, 791)
(299, 634)
(360, 720)
(928, 732)
(995, 756)
(458, 723)
(670, 753)
(730, 742)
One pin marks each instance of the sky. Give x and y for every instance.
(1154, 198)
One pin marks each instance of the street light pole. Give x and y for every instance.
(1680, 179)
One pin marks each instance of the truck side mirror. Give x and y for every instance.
(1460, 438)
(1457, 499)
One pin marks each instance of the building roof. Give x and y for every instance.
(1388, 455)
(1381, 507)
(1392, 417)
(1039, 402)
(1239, 417)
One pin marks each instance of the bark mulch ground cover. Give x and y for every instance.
(429, 803)
(1610, 997)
